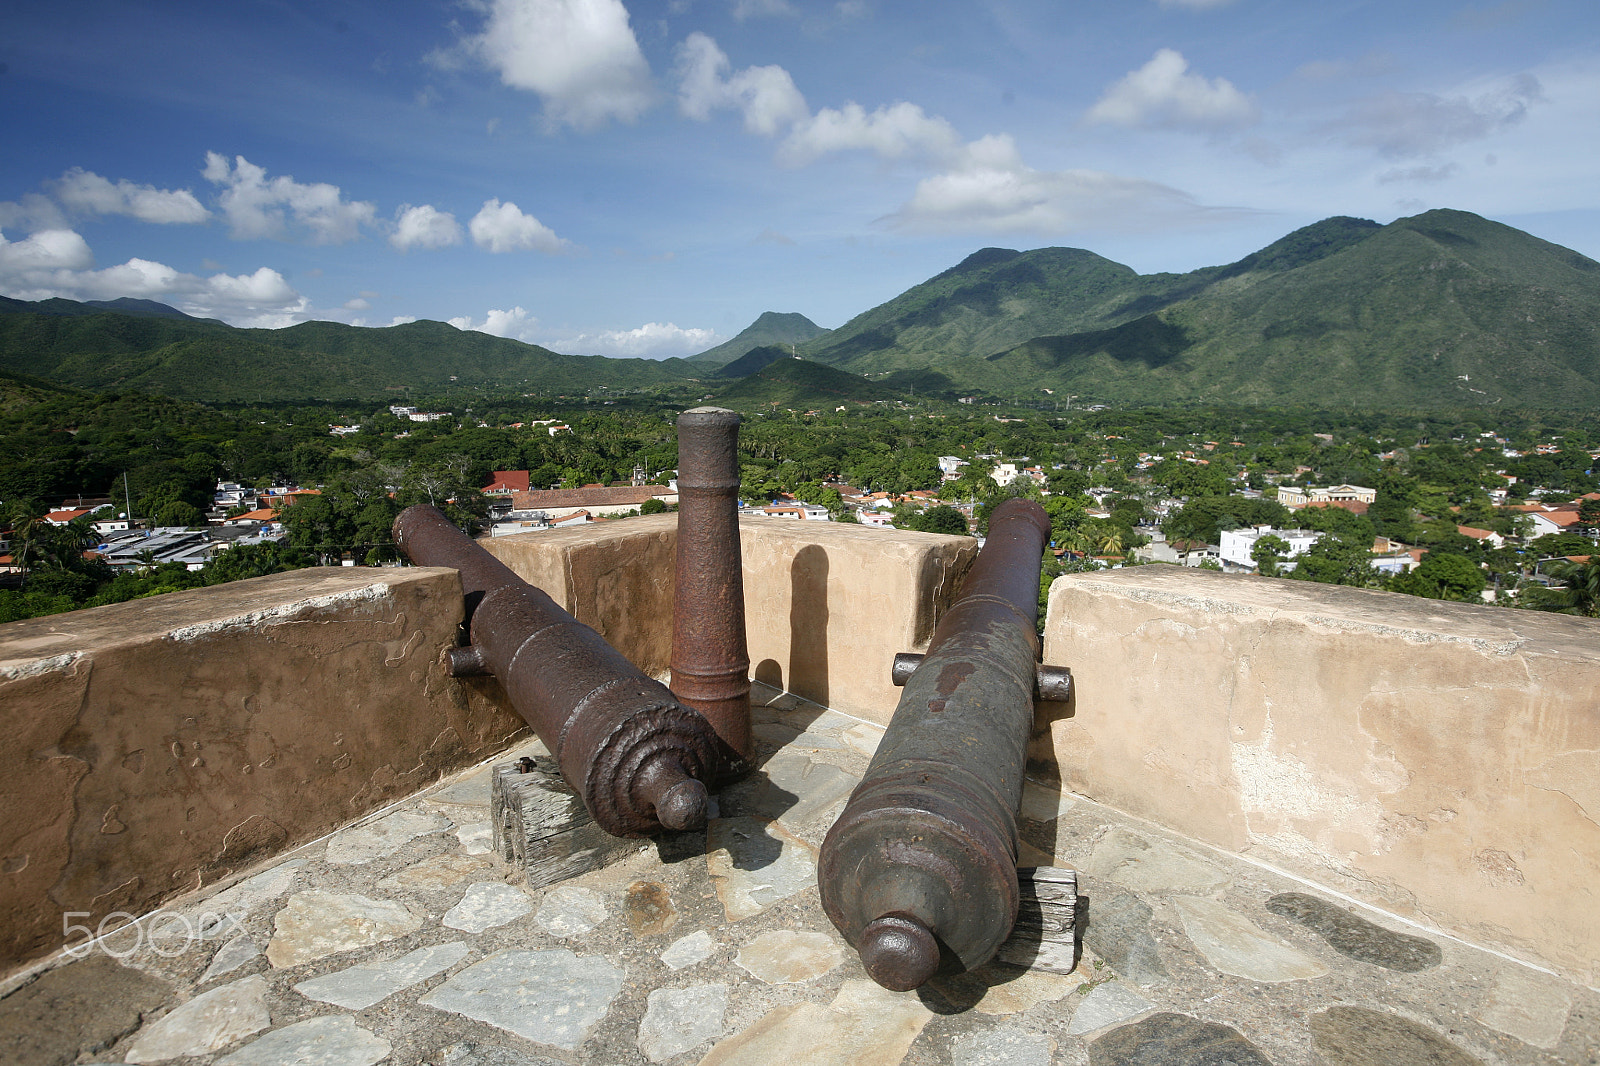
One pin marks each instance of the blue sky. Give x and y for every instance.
(630, 178)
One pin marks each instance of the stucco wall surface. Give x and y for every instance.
(827, 605)
(150, 747)
(1439, 760)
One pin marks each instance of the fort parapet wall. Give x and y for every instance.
(1439, 761)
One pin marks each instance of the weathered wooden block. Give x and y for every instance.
(1046, 935)
(542, 827)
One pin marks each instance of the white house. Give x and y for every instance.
(1237, 543)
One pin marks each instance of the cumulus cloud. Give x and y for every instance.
(772, 105)
(766, 95)
(55, 263)
(256, 207)
(47, 250)
(898, 131)
(424, 226)
(502, 227)
(992, 190)
(1164, 94)
(515, 324)
(88, 193)
(653, 340)
(1412, 125)
(579, 56)
(32, 213)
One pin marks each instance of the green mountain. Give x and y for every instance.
(773, 327)
(204, 360)
(800, 384)
(125, 305)
(1443, 309)
(753, 360)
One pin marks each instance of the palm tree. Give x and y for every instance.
(1578, 593)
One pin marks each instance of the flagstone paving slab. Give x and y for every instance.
(1530, 1006)
(754, 864)
(571, 910)
(1355, 1036)
(383, 837)
(486, 905)
(1234, 944)
(331, 1040)
(1105, 1005)
(696, 947)
(437, 871)
(368, 983)
(230, 956)
(1119, 932)
(785, 957)
(1001, 1046)
(1170, 1039)
(550, 997)
(677, 1020)
(315, 924)
(864, 1025)
(1350, 934)
(207, 1023)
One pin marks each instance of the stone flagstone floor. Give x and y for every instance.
(403, 939)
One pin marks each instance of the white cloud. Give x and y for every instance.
(256, 207)
(993, 191)
(502, 227)
(90, 194)
(515, 324)
(653, 340)
(33, 212)
(899, 131)
(55, 263)
(766, 95)
(1163, 94)
(47, 250)
(1411, 125)
(424, 226)
(579, 56)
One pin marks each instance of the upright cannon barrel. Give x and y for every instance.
(921, 868)
(710, 657)
(637, 756)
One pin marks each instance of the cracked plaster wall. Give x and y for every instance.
(150, 747)
(1437, 760)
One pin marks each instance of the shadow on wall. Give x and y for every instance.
(808, 624)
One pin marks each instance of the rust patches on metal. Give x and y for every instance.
(920, 871)
(710, 658)
(636, 755)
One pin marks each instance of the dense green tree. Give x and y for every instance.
(941, 519)
(1442, 576)
(1268, 552)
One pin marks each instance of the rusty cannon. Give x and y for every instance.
(920, 871)
(710, 660)
(637, 757)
